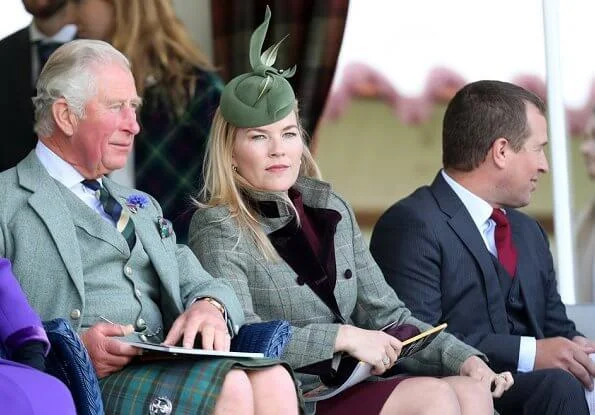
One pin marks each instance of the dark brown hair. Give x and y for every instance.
(480, 113)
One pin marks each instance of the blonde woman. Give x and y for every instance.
(180, 92)
(291, 249)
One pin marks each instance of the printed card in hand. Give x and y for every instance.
(351, 371)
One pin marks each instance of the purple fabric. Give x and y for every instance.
(27, 391)
(24, 335)
(306, 222)
(365, 398)
(18, 321)
(402, 331)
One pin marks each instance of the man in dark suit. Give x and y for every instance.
(22, 55)
(457, 251)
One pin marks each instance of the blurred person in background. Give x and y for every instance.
(23, 54)
(180, 92)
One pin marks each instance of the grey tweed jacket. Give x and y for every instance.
(270, 291)
(37, 234)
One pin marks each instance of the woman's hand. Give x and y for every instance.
(476, 368)
(371, 346)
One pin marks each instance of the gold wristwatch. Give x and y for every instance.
(215, 304)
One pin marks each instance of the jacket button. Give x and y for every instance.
(300, 281)
(347, 273)
(128, 271)
(75, 314)
(141, 324)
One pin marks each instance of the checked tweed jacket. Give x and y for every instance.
(270, 290)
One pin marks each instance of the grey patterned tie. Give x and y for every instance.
(111, 206)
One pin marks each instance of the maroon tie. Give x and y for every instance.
(506, 251)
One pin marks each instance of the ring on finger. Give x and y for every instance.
(385, 361)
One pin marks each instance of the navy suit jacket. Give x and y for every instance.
(16, 107)
(433, 255)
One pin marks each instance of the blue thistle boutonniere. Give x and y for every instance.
(135, 202)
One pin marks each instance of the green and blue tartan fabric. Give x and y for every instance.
(111, 206)
(169, 151)
(192, 386)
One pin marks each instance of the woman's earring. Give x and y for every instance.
(234, 168)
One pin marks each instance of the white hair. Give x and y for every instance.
(70, 73)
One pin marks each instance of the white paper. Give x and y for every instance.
(195, 352)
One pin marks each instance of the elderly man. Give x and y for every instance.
(87, 249)
(459, 252)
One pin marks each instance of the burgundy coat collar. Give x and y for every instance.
(320, 275)
(291, 243)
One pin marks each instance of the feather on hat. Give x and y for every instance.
(263, 96)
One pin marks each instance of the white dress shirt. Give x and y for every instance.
(480, 212)
(67, 175)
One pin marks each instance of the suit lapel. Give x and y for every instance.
(523, 269)
(45, 200)
(462, 224)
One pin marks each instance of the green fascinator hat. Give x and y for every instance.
(263, 96)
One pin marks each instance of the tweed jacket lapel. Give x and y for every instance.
(45, 193)
(89, 220)
(161, 251)
(292, 245)
(462, 224)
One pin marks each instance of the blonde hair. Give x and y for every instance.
(159, 48)
(224, 187)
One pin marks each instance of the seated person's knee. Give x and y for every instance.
(236, 386)
(277, 376)
(564, 384)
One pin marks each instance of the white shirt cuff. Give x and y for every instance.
(527, 352)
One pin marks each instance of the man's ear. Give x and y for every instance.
(499, 151)
(63, 117)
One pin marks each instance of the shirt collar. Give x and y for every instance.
(479, 209)
(57, 167)
(66, 34)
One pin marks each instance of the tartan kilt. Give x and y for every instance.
(192, 386)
